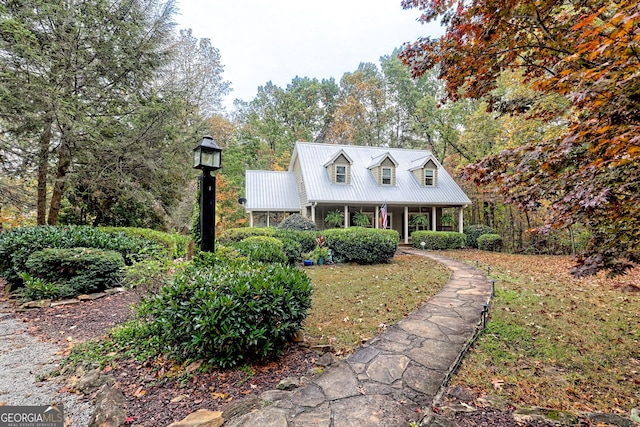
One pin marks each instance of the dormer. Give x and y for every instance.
(425, 170)
(384, 168)
(339, 168)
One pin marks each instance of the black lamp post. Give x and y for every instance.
(207, 156)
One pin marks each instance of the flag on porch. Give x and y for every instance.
(383, 213)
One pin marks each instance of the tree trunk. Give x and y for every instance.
(64, 161)
(43, 170)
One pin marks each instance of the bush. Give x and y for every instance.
(307, 239)
(438, 240)
(36, 289)
(362, 245)
(238, 234)
(297, 222)
(475, 231)
(16, 245)
(175, 245)
(228, 313)
(292, 250)
(77, 271)
(262, 249)
(490, 242)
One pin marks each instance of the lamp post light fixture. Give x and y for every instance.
(207, 156)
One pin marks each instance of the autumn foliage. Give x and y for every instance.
(587, 52)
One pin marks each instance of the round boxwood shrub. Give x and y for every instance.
(262, 249)
(229, 313)
(474, 231)
(77, 271)
(490, 242)
(297, 222)
(362, 245)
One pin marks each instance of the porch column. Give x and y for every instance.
(313, 212)
(376, 217)
(461, 219)
(250, 218)
(406, 225)
(268, 219)
(346, 216)
(433, 219)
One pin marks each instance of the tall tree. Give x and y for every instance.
(72, 68)
(587, 52)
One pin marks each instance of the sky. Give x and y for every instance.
(276, 40)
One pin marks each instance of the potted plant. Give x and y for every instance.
(447, 220)
(320, 254)
(420, 220)
(361, 219)
(334, 218)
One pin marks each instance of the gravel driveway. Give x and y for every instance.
(23, 358)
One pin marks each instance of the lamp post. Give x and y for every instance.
(207, 156)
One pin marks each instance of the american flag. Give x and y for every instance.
(383, 212)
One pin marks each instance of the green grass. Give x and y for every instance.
(351, 303)
(555, 341)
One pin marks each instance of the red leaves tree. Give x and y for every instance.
(588, 52)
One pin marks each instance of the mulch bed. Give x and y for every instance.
(158, 392)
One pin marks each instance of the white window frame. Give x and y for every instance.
(339, 174)
(432, 177)
(382, 176)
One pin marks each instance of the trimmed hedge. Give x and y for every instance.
(475, 231)
(262, 249)
(229, 313)
(77, 271)
(438, 240)
(238, 234)
(16, 245)
(362, 245)
(176, 245)
(490, 242)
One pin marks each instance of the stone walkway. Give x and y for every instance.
(390, 379)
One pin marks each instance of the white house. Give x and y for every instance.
(322, 178)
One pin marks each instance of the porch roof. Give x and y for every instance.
(271, 191)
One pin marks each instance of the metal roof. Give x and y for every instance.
(277, 191)
(271, 191)
(363, 187)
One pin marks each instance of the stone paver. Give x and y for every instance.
(390, 379)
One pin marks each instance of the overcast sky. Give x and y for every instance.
(277, 40)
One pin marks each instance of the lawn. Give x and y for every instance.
(553, 340)
(351, 303)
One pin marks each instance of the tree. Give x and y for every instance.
(587, 52)
(70, 71)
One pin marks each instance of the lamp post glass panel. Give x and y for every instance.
(207, 156)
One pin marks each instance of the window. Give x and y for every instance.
(386, 176)
(341, 174)
(428, 177)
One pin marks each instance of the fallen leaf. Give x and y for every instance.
(497, 384)
(139, 392)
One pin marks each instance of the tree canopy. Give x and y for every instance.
(587, 52)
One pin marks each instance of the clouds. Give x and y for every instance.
(276, 40)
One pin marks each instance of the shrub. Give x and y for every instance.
(362, 245)
(77, 270)
(175, 245)
(307, 239)
(16, 245)
(238, 234)
(475, 231)
(228, 313)
(490, 242)
(36, 288)
(438, 240)
(297, 222)
(262, 249)
(292, 250)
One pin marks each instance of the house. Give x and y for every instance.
(410, 186)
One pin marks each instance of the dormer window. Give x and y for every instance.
(386, 176)
(339, 168)
(429, 175)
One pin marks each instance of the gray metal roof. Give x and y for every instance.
(363, 187)
(277, 191)
(271, 191)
